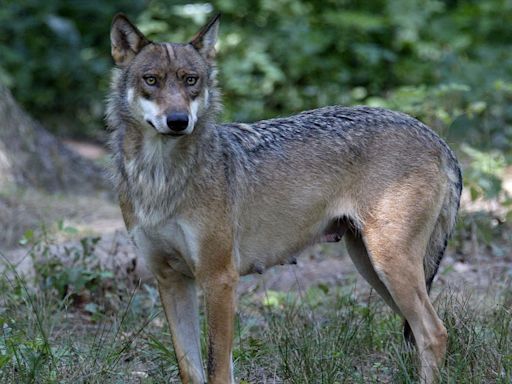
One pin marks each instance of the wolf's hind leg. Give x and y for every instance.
(360, 258)
(396, 236)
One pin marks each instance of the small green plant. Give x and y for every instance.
(73, 272)
(24, 350)
(483, 177)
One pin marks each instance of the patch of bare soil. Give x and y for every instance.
(88, 150)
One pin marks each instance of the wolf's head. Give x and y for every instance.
(166, 87)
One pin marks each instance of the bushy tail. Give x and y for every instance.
(442, 231)
(444, 226)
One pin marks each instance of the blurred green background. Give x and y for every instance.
(448, 63)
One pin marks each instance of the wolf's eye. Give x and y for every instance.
(150, 80)
(191, 80)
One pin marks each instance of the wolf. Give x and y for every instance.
(206, 203)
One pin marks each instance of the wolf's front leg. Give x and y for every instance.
(179, 299)
(220, 299)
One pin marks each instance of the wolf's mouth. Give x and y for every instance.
(174, 134)
(170, 133)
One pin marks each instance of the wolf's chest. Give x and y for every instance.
(156, 186)
(173, 243)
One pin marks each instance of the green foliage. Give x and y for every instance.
(484, 175)
(445, 62)
(329, 336)
(39, 313)
(55, 58)
(72, 272)
(276, 57)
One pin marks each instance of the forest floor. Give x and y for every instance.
(79, 273)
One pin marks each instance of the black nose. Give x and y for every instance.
(177, 121)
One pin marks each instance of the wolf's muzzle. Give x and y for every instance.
(177, 121)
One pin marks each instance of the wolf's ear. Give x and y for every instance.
(204, 41)
(126, 39)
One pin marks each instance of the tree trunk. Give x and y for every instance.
(31, 157)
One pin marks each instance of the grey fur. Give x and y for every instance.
(330, 142)
(225, 200)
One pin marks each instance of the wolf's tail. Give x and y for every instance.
(445, 223)
(442, 230)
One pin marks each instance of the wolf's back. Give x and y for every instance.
(376, 141)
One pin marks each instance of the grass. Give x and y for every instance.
(332, 337)
(75, 324)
